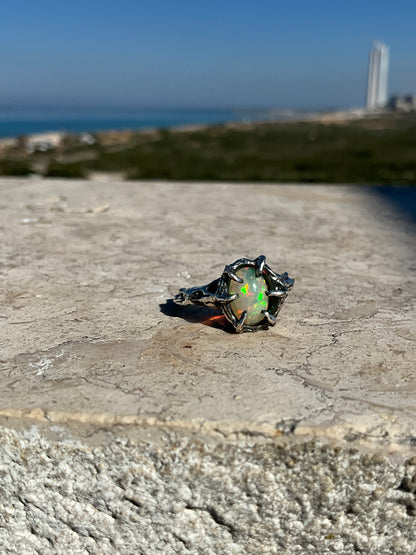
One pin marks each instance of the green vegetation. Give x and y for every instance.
(56, 169)
(370, 150)
(10, 166)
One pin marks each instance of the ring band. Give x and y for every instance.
(249, 293)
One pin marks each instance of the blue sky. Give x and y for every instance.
(183, 53)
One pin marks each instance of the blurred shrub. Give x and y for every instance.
(14, 167)
(74, 170)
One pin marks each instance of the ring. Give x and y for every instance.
(248, 292)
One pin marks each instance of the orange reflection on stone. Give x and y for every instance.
(216, 321)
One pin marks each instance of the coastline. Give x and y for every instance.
(241, 119)
(352, 146)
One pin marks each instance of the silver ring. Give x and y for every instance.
(248, 292)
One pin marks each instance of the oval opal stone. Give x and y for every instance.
(251, 295)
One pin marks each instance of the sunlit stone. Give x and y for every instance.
(251, 295)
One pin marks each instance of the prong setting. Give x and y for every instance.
(277, 289)
(240, 323)
(260, 262)
(226, 298)
(230, 273)
(270, 318)
(261, 287)
(276, 293)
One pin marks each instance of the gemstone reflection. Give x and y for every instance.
(251, 295)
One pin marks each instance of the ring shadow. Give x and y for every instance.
(197, 315)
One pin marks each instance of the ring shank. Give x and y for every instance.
(202, 296)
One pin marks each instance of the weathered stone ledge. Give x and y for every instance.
(132, 426)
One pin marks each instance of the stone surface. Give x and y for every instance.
(129, 421)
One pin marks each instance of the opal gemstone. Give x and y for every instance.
(251, 295)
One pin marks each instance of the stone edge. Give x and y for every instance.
(99, 428)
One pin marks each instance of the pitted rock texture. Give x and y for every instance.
(192, 496)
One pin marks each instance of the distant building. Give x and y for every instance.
(86, 139)
(402, 103)
(378, 69)
(43, 141)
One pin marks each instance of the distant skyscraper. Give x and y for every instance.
(378, 69)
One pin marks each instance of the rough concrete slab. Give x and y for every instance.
(94, 354)
(188, 495)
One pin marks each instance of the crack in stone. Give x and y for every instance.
(182, 540)
(216, 517)
(109, 385)
(289, 425)
(133, 501)
(334, 341)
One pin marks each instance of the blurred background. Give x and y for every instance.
(267, 91)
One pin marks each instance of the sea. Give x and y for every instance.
(25, 121)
